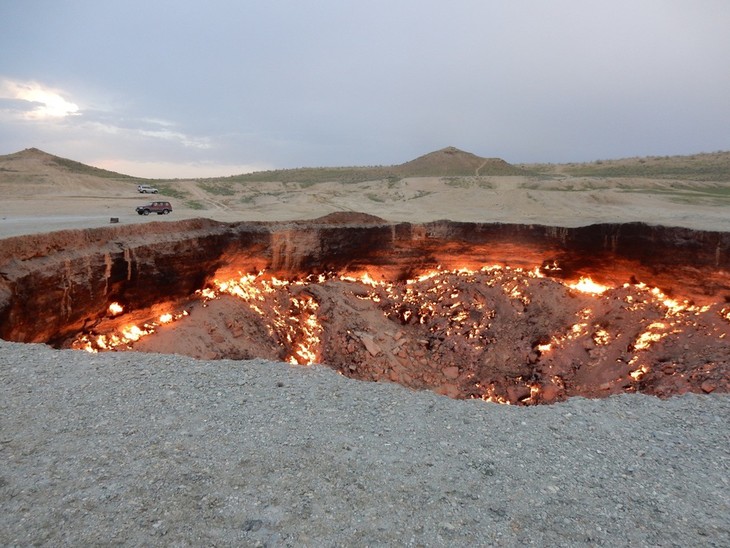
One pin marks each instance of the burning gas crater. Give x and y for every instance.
(500, 334)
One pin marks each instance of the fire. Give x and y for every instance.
(424, 277)
(655, 332)
(460, 311)
(307, 347)
(587, 285)
(206, 293)
(133, 333)
(124, 336)
(639, 373)
(367, 280)
(490, 395)
(601, 337)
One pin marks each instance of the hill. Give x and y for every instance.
(447, 162)
(35, 162)
(452, 162)
(42, 192)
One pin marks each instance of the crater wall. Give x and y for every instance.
(57, 283)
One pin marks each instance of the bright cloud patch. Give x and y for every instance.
(43, 103)
(172, 170)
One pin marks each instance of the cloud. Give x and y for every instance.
(326, 84)
(46, 117)
(34, 101)
(37, 102)
(178, 137)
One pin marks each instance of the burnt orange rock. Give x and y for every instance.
(549, 393)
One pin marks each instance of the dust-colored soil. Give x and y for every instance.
(135, 449)
(40, 196)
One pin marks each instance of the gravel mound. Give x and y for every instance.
(143, 449)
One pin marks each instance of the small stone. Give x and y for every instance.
(708, 386)
(370, 344)
(252, 525)
(451, 372)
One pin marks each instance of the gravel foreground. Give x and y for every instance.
(148, 449)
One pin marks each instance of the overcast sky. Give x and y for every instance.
(213, 87)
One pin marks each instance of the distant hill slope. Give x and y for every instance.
(714, 166)
(33, 161)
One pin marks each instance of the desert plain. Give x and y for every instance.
(41, 193)
(136, 448)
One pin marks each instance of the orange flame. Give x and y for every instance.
(587, 285)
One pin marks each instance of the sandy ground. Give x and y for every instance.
(157, 449)
(83, 203)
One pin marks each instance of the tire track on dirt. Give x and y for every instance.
(197, 193)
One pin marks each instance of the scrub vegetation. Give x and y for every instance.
(713, 166)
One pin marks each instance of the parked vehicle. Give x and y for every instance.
(146, 189)
(161, 208)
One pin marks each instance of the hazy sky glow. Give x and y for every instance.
(217, 87)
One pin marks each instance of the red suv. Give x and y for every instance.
(161, 208)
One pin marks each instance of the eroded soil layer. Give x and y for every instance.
(512, 313)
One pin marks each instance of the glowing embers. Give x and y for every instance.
(498, 334)
(725, 313)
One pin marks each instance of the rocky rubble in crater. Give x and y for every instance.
(497, 334)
